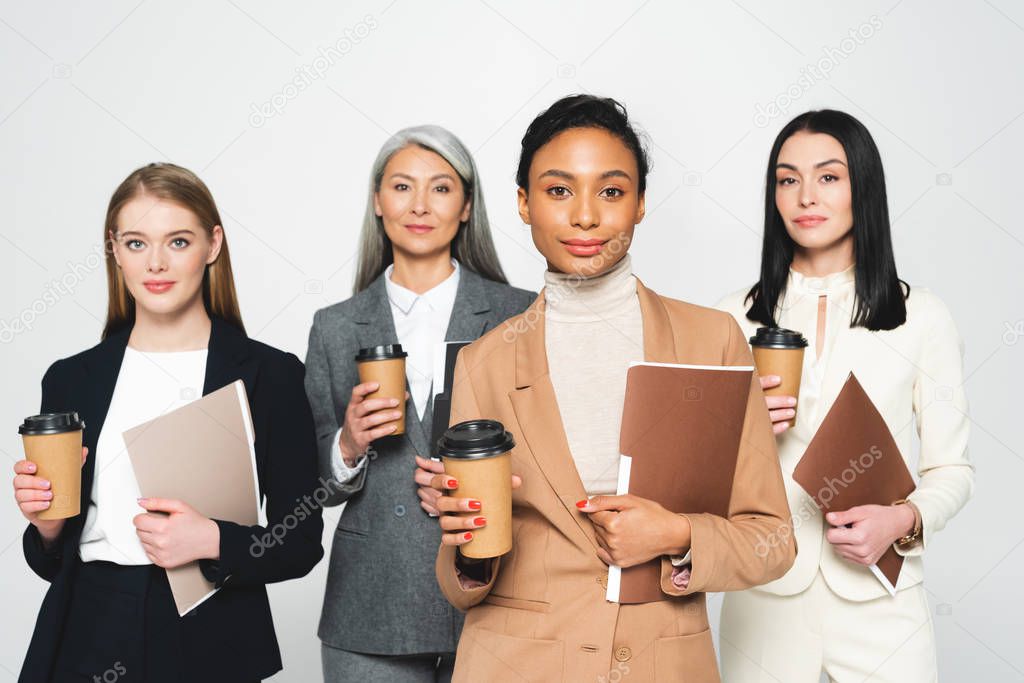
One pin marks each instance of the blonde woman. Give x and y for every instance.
(173, 332)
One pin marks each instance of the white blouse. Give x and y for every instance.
(421, 324)
(914, 376)
(148, 385)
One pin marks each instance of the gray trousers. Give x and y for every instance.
(342, 665)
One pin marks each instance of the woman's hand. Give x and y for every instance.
(173, 534)
(33, 495)
(862, 534)
(365, 420)
(781, 409)
(434, 484)
(632, 530)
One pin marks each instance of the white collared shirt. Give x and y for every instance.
(421, 323)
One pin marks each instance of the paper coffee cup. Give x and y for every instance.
(385, 365)
(53, 442)
(478, 454)
(778, 351)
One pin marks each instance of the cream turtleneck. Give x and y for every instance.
(593, 329)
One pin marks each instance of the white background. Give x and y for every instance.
(90, 91)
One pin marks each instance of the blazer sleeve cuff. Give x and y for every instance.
(448, 578)
(699, 563)
(45, 562)
(233, 552)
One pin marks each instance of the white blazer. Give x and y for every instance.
(914, 375)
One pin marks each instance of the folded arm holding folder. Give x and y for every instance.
(853, 460)
(683, 432)
(207, 455)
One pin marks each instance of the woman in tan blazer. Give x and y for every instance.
(555, 377)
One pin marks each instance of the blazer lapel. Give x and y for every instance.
(102, 367)
(469, 319)
(536, 406)
(375, 326)
(536, 409)
(660, 344)
(228, 359)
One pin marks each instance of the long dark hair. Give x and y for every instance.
(880, 294)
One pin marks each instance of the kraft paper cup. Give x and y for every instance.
(385, 365)
(478, 454)
(778, 351)
(53, 442)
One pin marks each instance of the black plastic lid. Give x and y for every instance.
(383, 352)
(51, 423)
(475, 439)
(778, 338)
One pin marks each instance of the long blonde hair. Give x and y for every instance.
(183, 187)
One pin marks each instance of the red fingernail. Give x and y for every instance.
(480, 521)
(582, 503)
(468, 536)
(452, 484)
(474, 505)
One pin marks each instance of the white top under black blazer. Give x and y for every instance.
(230, 636)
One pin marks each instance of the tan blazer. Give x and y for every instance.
(543, 615)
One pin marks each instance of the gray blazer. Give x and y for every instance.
(382, 596)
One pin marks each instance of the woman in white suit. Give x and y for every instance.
(828, 271)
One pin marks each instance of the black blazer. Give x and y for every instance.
(231, 635)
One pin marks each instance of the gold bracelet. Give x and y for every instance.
(914, 536)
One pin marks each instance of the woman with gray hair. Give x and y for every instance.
(428, 273)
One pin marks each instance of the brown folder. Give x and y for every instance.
(203, 455)
(853, 460)
(680, 437)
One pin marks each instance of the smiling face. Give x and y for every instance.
(583, 201)
(421, 201)
(812, 191)
(163, 252)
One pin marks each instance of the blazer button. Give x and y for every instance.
(399, 510)
(623, 654)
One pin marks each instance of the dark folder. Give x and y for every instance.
(853, 460)
(679, 441)
(442, 409)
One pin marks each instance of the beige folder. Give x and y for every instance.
(203, 455)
